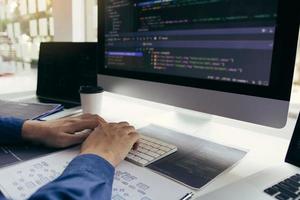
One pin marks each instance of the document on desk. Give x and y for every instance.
(13, 154)
(21, 180)
(131, 182)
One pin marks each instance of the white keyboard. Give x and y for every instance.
(149, 151)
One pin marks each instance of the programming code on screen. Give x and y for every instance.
(225, 40)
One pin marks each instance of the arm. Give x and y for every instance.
(87, 177)
(10, 130)
(90, 175)
(56, 133)
(60, 133)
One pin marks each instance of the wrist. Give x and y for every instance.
(108, 156)
(31, 130)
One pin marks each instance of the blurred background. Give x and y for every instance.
(24, 24)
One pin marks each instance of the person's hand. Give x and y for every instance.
(111, 141)
(60, 133)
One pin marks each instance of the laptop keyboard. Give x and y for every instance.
(288, 189)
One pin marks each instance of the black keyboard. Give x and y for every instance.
(288, 189)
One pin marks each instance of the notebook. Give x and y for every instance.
(33, 111)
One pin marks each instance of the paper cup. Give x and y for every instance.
(91, 99)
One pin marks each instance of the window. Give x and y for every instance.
(24, 24)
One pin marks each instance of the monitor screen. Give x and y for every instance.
(220, 40)
(244, 47)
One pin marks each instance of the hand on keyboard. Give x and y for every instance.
(111, 141)
(150, 150)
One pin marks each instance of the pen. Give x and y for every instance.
(187, 196)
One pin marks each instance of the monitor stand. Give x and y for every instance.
(186, 121)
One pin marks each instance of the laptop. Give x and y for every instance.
(62, 68)
(280, 182)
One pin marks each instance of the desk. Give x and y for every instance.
(267, 146)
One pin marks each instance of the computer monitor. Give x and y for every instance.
(233, 58)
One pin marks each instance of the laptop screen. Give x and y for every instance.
(63, 67)
(293, 154)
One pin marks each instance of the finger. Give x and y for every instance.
(128, 129)
(72, 139)
(119, 124)
(92, 116)
(81, 125)
(136, 145)
(134, 137)
(123, 124)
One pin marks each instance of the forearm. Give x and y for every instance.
(15, 131)
(86, 177)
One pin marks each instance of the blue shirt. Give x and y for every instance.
(86, 177)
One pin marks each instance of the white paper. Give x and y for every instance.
(33, 28)
(139, 183)
(23, 7)
(32, 6)
(43, 26)
(130, 182)
(42, 5)
(24, 179)
(17, 29)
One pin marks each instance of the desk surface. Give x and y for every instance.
(267, 146)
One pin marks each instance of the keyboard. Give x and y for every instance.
(287, 189)
(149, 151)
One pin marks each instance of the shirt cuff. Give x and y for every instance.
(11, 129)
(93, 164)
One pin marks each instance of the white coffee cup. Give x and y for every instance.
(91, 99)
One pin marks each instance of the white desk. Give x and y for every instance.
(267, 146)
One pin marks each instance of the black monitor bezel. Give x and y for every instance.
(283, 62)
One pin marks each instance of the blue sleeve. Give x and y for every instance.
(87, 177)
(10, 130)
(2, 196)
